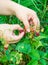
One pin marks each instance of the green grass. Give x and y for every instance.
(28, 51)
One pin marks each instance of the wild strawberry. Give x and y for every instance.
(21, 31)
(42, 30)
(31, 29)
(6, 48)
(37, 34)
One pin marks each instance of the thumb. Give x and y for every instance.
(16, 38)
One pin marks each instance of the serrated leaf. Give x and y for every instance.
(15, 57)
(23, 47)
(34, 54)
(43, 62)
(4, 58)
(33, 62)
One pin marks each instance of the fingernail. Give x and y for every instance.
(28, 30)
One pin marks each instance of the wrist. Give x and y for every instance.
(12, 7)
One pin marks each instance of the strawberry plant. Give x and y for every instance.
(32, 49)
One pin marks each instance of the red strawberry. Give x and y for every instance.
(37, 34)
(21, 31)
(6, 48)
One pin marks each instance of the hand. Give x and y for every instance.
(6, 32)
(8, 7)
(25, 14)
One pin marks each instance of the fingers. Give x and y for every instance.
(35, 21)
(15, 38)
(26, 23)
(13, 41)
(16, 26)
(19, 36)
(10, 36)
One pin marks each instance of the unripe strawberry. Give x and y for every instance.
(42, 30)
(31, 29)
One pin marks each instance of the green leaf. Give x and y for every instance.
(42, 54)
(33, 62)
(34, 54)
(7, 54)
(43, 62)
(11, 64)
(15, 57)
(23, 47)
(37, 44)
(4, 59)
(41, 37)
